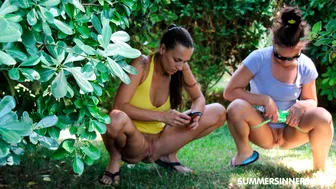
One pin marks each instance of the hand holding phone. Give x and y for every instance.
(193, 115)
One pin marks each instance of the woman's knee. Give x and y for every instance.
(118, 121)
(237, 108)
(320, 117)
(220, 114)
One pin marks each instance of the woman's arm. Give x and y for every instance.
(308, 100)
(126, 92)
(235, 89)
(193, 90)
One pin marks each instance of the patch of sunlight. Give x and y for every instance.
(323, 179)
(299, 165)
(65, 134)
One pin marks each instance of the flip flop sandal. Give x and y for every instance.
(111, 175)
(251, 159)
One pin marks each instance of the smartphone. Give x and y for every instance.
(194, 114)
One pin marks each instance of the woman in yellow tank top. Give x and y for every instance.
(146, 125)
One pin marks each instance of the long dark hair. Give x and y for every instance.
(289, 28)
(176, 35)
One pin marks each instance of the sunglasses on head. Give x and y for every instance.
(278, 56)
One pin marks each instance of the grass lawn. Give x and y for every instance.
(209, 158)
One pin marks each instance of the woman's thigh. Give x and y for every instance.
(132, 144)
(316, 117)
(173, 138)
(242, 116)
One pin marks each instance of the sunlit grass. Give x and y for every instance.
(208, 157)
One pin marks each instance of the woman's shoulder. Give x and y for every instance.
(306, 62)
(142, 62)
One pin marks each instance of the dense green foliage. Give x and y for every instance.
(224, 32)
(58, 59)
(321, 15)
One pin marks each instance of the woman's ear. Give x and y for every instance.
(162, 49)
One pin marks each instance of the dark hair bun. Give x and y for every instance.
(171, 26)
(291, 16)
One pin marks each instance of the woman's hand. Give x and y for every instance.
(271, 110)
(194, 123)
(175, 118)
(295, 115)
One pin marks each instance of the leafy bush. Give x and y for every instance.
(60, 60)
(320, 13)
(327, 39)
(224, 32)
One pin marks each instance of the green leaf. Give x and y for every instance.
(17, 54)
(87, 49)
(331, 26)
(118, 70)
(88, 161)
(127, 51)
(46, 29)
(78, 165)
(8, 118)
(68, 145)
(78, 103)
(128, 68)
(50, 3)
(317, 27)
(31, 61)
(17, 150)
(25, 3)
(30, 74)
(106, 34)
(13, 18)
(101, 127)
(323, 41)
(14, 74)
(104, 118)
(59, 154)
(97, 89)
(45, 74)
(84, 31)
(6, 105)
(6, 8)
(4, 148)
(120, 36)
(96, 23)
(10, 136)
(47, 121)
(3, 24)
(34, 138)
(91, 151)
(47, 15)
(63, 27)
(78, 5)
(32, 17)
(48, 142)
(6, 59)
(11, 34)
(59, 85)
(20, 128)
(82, 82)
(26, 119)
(54, 132)
(70, 92)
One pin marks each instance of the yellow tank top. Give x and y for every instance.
(141, 100)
